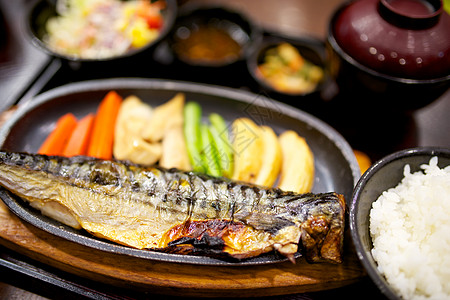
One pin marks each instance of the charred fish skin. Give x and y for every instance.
(149, 207)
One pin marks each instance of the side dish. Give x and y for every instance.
(207, 44)
(286, 70)
(364, 161)
(98, 29)
(174, 135)
(409, 225)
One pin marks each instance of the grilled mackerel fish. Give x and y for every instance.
(148, 207)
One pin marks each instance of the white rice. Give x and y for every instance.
(410, 229)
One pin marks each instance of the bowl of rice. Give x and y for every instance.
(400, 223)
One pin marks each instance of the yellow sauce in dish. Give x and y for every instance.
(207, 44)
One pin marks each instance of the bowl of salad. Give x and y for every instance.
(99, 30)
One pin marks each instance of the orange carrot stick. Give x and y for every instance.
(56, 141)
(79, 139)
(102, 138)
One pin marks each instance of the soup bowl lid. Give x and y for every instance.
(399, 38)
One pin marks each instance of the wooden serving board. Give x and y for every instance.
(176, 278)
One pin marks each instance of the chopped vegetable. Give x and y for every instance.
(151, 13)
(56, 141)
(297, 170)
(142, 152)
(272, 158)
(363, 159)
(174, 150)
(154, 21)
(132, 117)
(165, 116)
(209, 152)
(219, 132)
(208, 145)
(286, 70)
(102, 138)
(80, 137)
(192, 135)
(248, 147)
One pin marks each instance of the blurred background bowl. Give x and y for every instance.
(211, 36)
(210, 43)
(382, 175)
(310, 49)
(43, 10)
(390, 56)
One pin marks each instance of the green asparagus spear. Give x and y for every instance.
(192, 134)
(219, 131)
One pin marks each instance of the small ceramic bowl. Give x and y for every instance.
(211, 37)
(43, 10)
(310, 49)
(390, 56)
(382, 175)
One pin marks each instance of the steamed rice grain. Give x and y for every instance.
(410, 229)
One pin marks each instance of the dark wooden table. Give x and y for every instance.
(25, 71)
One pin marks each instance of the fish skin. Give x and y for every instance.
(148, 207)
